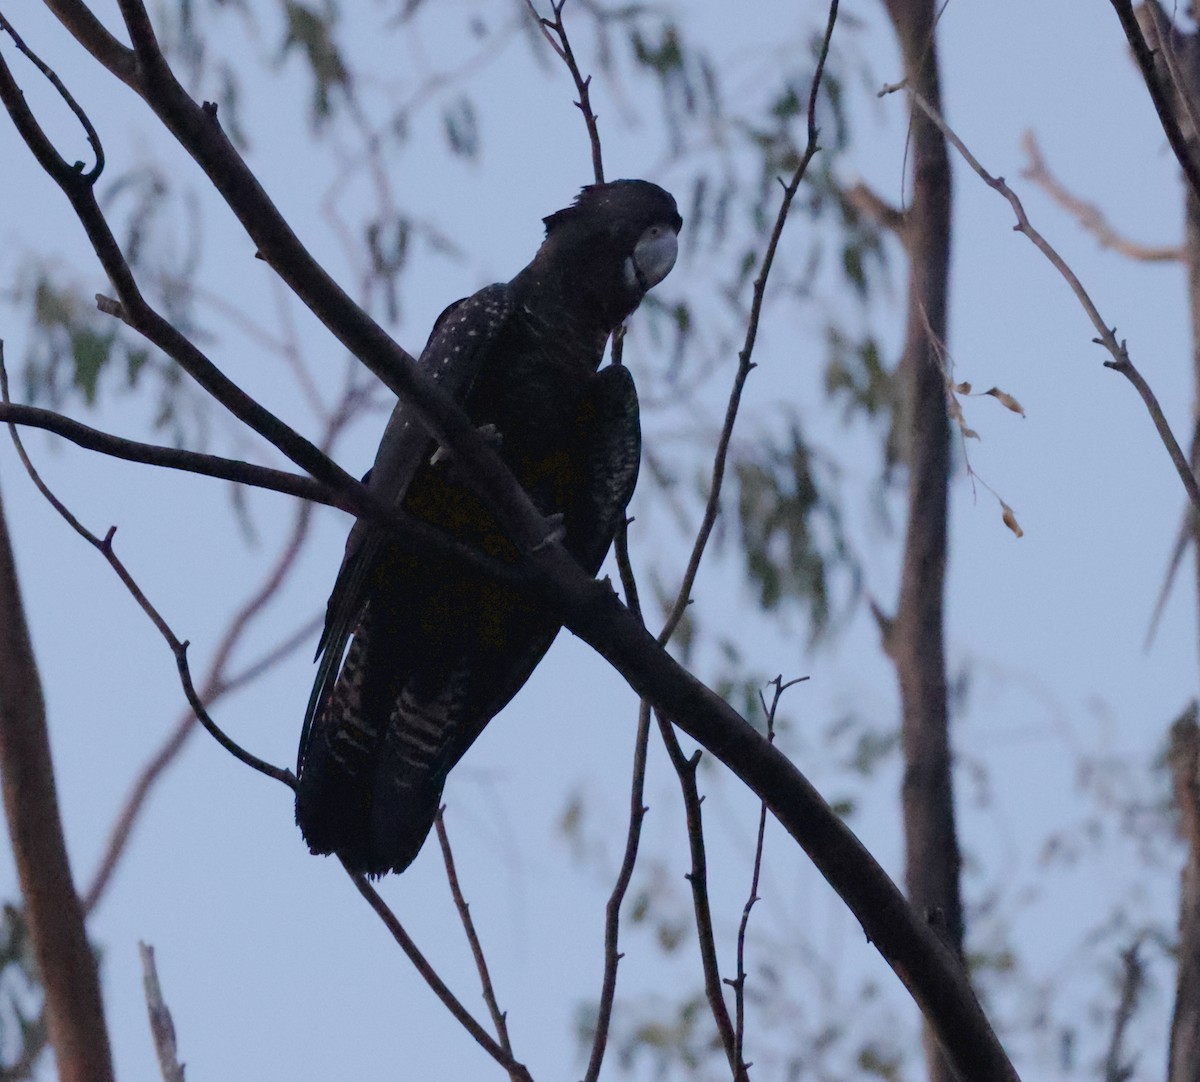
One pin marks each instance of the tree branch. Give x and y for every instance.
(591, 610)
(685, 769)
(745, 365)
(612, 911)
(739, 982)
(1160, 95)
(174, 458)
(916, 639)
(556, 28)
(162, 1028)
(178, 648)
(516, 1070)
(499, 1018)
(1106, 336)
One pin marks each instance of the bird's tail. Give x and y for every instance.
(373, 767)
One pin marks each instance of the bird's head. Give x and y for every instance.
(613, 244)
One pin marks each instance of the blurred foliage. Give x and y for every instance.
(75, 352)
(790, 528)
(22, 1028)
(312, 32)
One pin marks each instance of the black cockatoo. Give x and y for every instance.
(420, 652)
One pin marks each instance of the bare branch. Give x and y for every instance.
(499, 1018)
(1106, 336)
(93, 174)
(516, 1070)
(162, 1028)
(1133, 980)
(739, 982)
(1159, 94)
(685, 769)
(92, 35)
(612, 911)
(1088, 215)
(178, 648)
(227, 469)
(555, 31)
(216, 686)
(745, 365)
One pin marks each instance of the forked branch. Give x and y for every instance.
(1106, 335)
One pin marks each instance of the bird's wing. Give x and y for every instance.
(452, 358)
(608, 446)
(610, 431)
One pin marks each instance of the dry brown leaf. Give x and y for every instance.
(963, 388)
(970, 433)
(1006, 400)
(1010, 520)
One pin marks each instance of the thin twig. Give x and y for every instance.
(1133, 980)
(556, 28)
(178, 648)
(745, 364)
(1106, 336)
(739, 982)
(421, 964)
(93, 174)
(499, 1017)
(175, 458)
(697, 877)
(637, 808)
(612, 911)
(162, 1028)
(152, 771)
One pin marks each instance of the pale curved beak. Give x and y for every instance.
(654, 256)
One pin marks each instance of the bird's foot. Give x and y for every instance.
(489, 432)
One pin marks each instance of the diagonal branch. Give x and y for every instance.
(739, 982)
(1106, 336)
(499, 1017)
(516, 1070)
(178, 649)
(745, 364)
(1160, 95)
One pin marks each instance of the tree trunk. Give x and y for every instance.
(73, 1009)
(915, 636)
